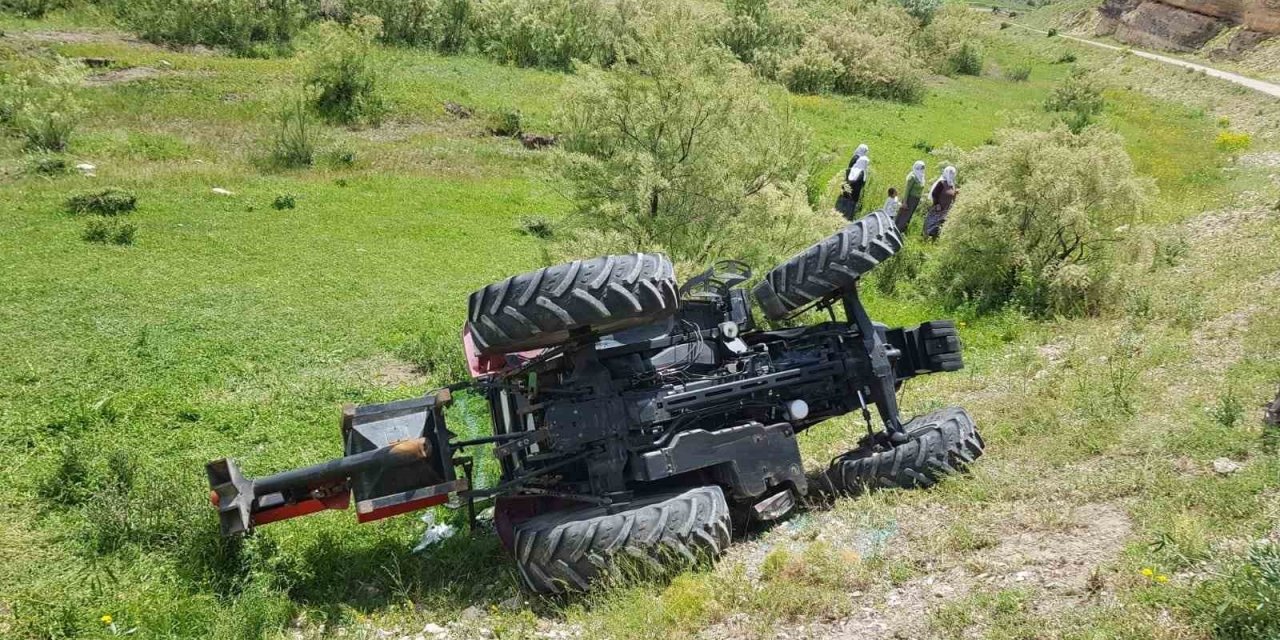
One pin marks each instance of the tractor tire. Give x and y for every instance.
(541, 308)
(830, 266)
(941, 443)
(565, 550)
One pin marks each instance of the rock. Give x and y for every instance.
(536, 141)
(471, 613)
(219, 191)
(433, 629)
(86, 168)
(457, 110)
(1161, 26)
(513, 603)
(1225, 466)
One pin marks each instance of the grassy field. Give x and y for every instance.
(232, 328)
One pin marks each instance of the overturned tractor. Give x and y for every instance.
(634, 416)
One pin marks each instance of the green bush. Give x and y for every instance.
(47, 165)
(34, 9)
(293, 143)
(1079, 99)
(855, 62)
(106, 230)
(507, 123)
(246, 27)
(284, 201)
(109, 202)
(1020, 73)
(1242, 603)
(1038, 223)
(443, 25)
(681, 152)
(537, 227)
(966, 60)
(760, 32)
(42, 107)
(553, 33)
(922, 10)
(342, 75)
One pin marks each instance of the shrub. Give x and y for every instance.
(922, 10)
(33, 9)
(284, 201)
(103, 230)
(1052, 32)
(293, 144)
(1019, 73)
(681, 152)
(109, 202)
(246, 27)
(1037, 224)
(342, 75)
(1241, 602)
(864, 64)
(46, 165)
(443, 25)
(813, 69)
(1232, 143)
(760, 32)
(553, 33)
(536, 226)
(1078, 98)
(42, 107)
(966, 60)
(507, 123)
(1067, 57)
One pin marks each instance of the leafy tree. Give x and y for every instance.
(1037, 223)
(679, 151)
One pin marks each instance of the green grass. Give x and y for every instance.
(232, 328)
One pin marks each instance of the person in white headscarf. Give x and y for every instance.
(860, 152)
(943, 195)
(854, 182)
(913, 193)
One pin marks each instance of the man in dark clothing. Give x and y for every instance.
(943, 195)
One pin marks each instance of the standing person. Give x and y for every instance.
(860, 152)
(891, 204)
(915, 189)
(943, 195)
(854, 183)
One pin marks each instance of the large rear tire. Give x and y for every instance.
(829, 266)
(940, 444)
(566, 550)
(542, 308)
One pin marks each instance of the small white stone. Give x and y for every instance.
(219, 191)
(433, 629)
(1225, 466)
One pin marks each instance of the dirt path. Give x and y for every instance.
(1261, 86)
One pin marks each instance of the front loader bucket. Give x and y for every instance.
(397, 459)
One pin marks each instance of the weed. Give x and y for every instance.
(922, 145)
(43, 108)
(70, 482)
(33, 9)
(47, 165)
(109, 202)
(1232, 142)
(1067, 57)
(967, 60)
(111, 231)
(1242, 603)
(342, 73)
(506, 123)
(1228, 411)
(1020, 73)
(1170, 252)
(1052, 32)
(536, 226)
(246, 27)
(293, 144)
(284, 201)
(341, 158)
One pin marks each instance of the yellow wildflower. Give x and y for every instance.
(1146, 571)
(1162, 579)
(106, 618)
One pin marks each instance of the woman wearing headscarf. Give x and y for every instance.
(860, 152)
(943, 195)
(913, 192)
(855, 180)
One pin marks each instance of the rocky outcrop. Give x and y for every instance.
(1186, 25)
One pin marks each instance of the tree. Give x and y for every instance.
(680, 151)
(1037, 223)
